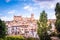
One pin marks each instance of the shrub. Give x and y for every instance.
(53, 34)
(14, 38)
(30, 38)
(1, 39)
(58, 35)
(18, 38)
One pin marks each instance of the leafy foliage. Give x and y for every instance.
(14, 38)
(17, 37)
(42, 27)
(57, 13)
(2, 29)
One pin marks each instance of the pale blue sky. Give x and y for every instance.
(9, 8)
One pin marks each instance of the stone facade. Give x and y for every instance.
(25, 26)
(22, 26)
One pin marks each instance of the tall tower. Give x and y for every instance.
(32, 15)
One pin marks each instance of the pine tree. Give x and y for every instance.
(42, 27)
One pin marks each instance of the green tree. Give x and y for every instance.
(42, 27)
(49, 27)
(57, 13)
(2, 29)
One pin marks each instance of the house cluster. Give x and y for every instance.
(24, 26)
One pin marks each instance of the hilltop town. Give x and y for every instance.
(25, 26)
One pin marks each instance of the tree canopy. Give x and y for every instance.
(57, 13)
(2, 29)
(42, 27)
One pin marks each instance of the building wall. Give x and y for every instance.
(24, 26)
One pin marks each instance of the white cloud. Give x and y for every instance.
(51, 15)
(5, 18)
(29, 8)
(46, 4)
(7, 1)
(11, 11)
(9, 16)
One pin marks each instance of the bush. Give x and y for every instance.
(18, 38)
(53, 34)
(58, 35)
(14, 38)
(1, 39)
(30, 38)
